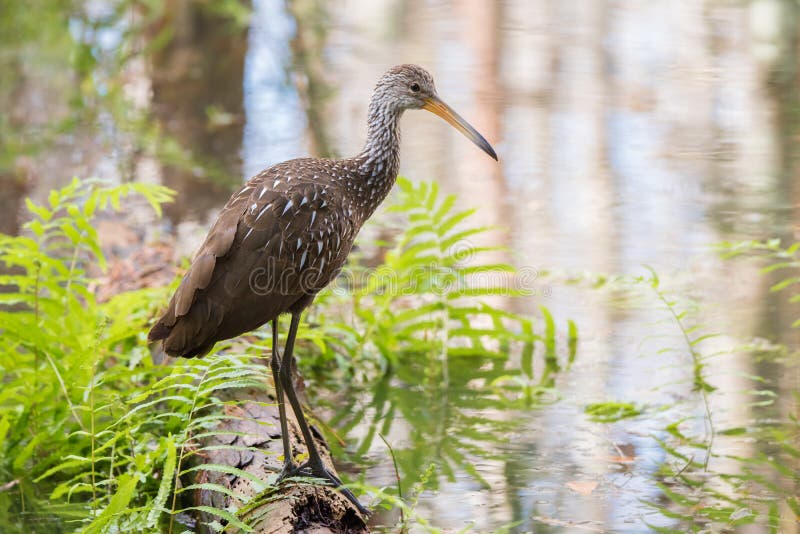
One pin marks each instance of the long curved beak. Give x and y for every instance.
(435, 105)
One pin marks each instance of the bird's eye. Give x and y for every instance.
(415, 87)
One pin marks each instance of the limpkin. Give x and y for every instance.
(284, 236)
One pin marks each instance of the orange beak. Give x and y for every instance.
(437, 107)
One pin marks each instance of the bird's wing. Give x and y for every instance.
(295, 237)
(218, 244)
(273, 243)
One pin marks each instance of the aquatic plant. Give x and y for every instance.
(422, 325)
(96, 437)
(703, 487)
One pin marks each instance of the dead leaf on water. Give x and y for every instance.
(622, 459)
(584, 487)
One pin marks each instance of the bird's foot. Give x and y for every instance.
(323, 473)
(291, 469)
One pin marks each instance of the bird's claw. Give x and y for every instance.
(291, 469)
(323, 473)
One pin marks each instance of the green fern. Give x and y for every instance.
(422, 337)
(94, 434)
(95, 437)
(427, 297)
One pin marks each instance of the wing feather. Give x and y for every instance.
(250, 267)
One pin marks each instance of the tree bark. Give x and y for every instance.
(292, 507)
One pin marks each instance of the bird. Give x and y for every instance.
(284, 236)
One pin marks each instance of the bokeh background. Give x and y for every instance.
(629, 132)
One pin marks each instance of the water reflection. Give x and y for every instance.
(275, 129)
(629, 133)
(197, 102)
(455, 435)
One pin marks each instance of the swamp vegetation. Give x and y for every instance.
(597, 337)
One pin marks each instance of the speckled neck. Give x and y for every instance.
(381, 154)
(379, 162)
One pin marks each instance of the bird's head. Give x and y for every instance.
(411, 87)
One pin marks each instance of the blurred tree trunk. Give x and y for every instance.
(197, 100)
(13, 178)
(778, 312)
(480, 176)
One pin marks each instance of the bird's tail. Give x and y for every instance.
(188, 336)
(159, 331)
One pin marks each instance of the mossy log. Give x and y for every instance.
(256, 449)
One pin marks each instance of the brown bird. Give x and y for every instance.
(285, 235)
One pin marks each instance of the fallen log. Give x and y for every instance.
(255, 447)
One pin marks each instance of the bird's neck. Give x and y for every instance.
(379, 162)
(380, 158)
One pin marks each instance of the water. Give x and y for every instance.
(630, 133)
(275, 122)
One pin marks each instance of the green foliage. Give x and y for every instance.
(425, 324)
(611, 411)
(94, 437)
(780, 259)
(692, 337)
(720, 491)
(92, 434)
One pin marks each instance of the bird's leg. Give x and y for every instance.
(314, 459)
(315, 463)
(289, 467)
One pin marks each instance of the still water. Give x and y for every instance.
(630, 133)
